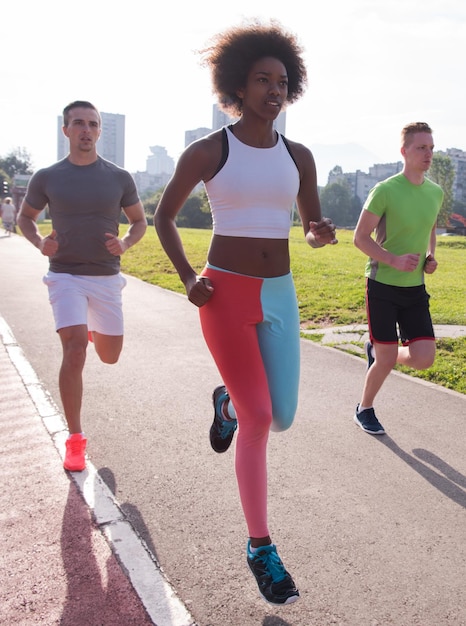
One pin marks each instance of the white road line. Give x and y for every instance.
(137, 561)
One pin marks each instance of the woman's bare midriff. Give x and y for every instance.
(266, 258)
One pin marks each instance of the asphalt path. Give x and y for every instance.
(373, 529)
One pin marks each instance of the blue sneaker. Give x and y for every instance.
(275, 584)
(368, 351)
(368, 422)
(222, 430)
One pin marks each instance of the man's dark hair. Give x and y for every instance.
(75, 105)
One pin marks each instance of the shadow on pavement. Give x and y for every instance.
(272, 620)
(450, 473)
(446, 479)
(97, 590)
(131, 513)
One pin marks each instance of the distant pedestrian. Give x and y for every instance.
(402, 210)
(8, 214)
(245, 294)
(85, 195)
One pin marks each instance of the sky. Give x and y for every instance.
(373, 66)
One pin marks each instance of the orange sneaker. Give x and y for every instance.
(74, 456)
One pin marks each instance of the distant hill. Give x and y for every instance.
(350, 157)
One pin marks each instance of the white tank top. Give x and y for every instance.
(253, 194)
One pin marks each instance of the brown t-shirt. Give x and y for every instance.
(85, 202)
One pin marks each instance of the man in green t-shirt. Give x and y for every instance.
(402, 213)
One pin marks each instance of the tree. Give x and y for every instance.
(16, 162)
(442, 172)
(150, 203)
(195, 212)
(459, 207)
(337, 203)
(336, 171)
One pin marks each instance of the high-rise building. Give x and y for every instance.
(360, 183)
(159, 162)
(219, 118)
(458, 158)
(195, 134)
(159, 170)
(111, 145)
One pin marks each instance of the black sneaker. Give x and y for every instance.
(275, 584)
(368, 350)
(368, 422)
(222, 430)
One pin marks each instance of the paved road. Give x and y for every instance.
(373, 529)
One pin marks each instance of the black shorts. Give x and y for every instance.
(392, 310)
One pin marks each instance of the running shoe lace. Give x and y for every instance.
(226, 427)
(272, 564)
(75, 446)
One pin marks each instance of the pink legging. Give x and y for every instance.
(251, 327)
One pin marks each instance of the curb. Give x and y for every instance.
(145, 574)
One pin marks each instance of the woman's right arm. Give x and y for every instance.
(197, 163)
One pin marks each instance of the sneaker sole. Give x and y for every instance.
(369, 432)
(290, 600)
(74, 469)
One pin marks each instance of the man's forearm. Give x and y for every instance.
(29, 229)
(135, 232)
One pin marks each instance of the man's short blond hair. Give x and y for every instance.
(411, 129)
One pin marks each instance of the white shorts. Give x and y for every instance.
(91, 300)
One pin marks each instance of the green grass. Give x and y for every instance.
(330, 286)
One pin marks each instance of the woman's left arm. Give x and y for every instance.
(318, 230)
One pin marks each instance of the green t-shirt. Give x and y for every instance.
(408, 213)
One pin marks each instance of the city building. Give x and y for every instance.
(458, 158)
(111, 144)
(360, 183)
(220, 118)
(195, 134)
(159, 170)
(159, 162)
